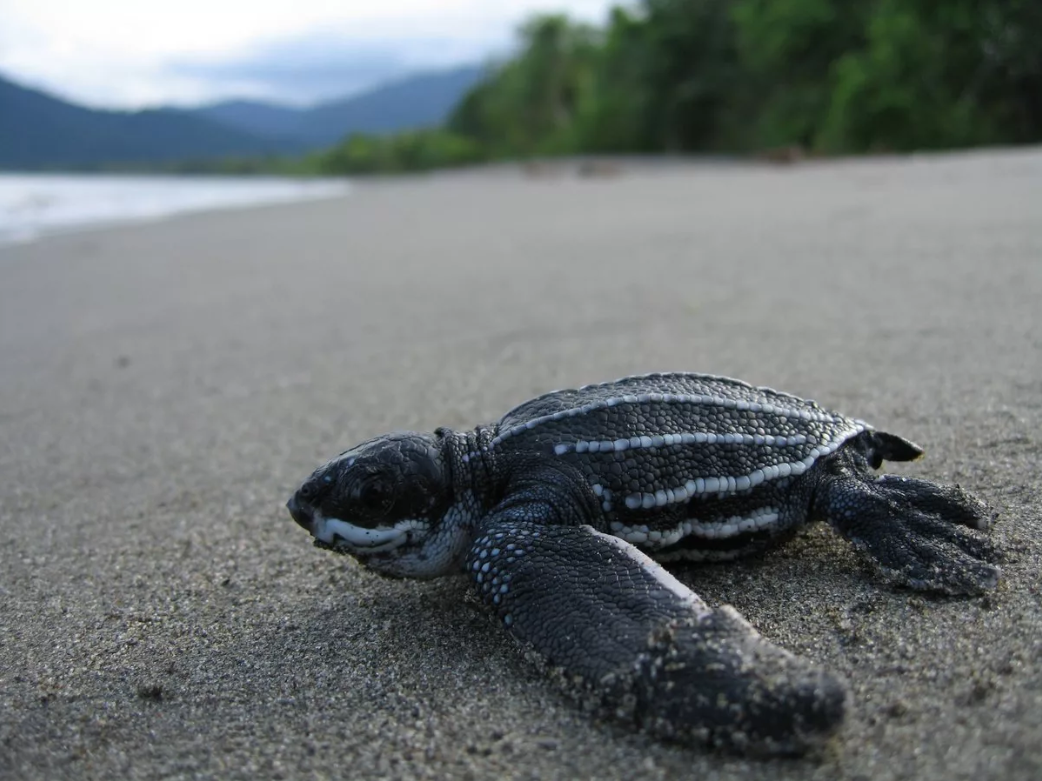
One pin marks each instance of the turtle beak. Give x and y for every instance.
(301, 514)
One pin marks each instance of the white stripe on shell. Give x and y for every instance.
(726, 484)
(758, 520)
(730, 381)
(808, 415)
(686, 438)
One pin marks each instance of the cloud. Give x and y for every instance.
(129, 53)
(314, 67)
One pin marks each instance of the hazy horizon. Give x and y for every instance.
(276, 102)
(117, 54)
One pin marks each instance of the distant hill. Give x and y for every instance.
(41, 131)
(262, 119)
(423, 100)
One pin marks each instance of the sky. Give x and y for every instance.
(138, 53)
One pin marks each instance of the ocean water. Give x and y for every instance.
(32, 205)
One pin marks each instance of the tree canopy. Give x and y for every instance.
(830, 76)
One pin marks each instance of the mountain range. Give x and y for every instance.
(40, 131)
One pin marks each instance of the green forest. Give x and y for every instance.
(830, 77)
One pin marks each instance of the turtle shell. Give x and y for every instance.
(660, 439)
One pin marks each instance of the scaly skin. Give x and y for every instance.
(554, 512)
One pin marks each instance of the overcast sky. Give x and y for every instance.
(134, 53)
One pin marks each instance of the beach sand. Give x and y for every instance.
(164, 387)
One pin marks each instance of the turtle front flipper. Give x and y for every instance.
(644, 645)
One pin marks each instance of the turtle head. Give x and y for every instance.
(387, 502)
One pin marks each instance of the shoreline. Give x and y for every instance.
(575, 167)
(52, 203)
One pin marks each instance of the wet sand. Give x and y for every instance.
(163, 388)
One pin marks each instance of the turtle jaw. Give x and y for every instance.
(345, 537)
(359, 541)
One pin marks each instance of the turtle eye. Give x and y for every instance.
(375, 495)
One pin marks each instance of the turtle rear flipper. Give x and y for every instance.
(644, 645)
(920, 534)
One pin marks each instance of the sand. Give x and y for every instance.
(164, 387)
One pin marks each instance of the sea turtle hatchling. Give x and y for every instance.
(557, 511)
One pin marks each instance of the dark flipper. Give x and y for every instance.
(913, 529)
(647, 648)
(949, 502)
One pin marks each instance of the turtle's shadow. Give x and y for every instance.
(371, 644)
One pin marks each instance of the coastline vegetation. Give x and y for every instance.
(825, 77)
